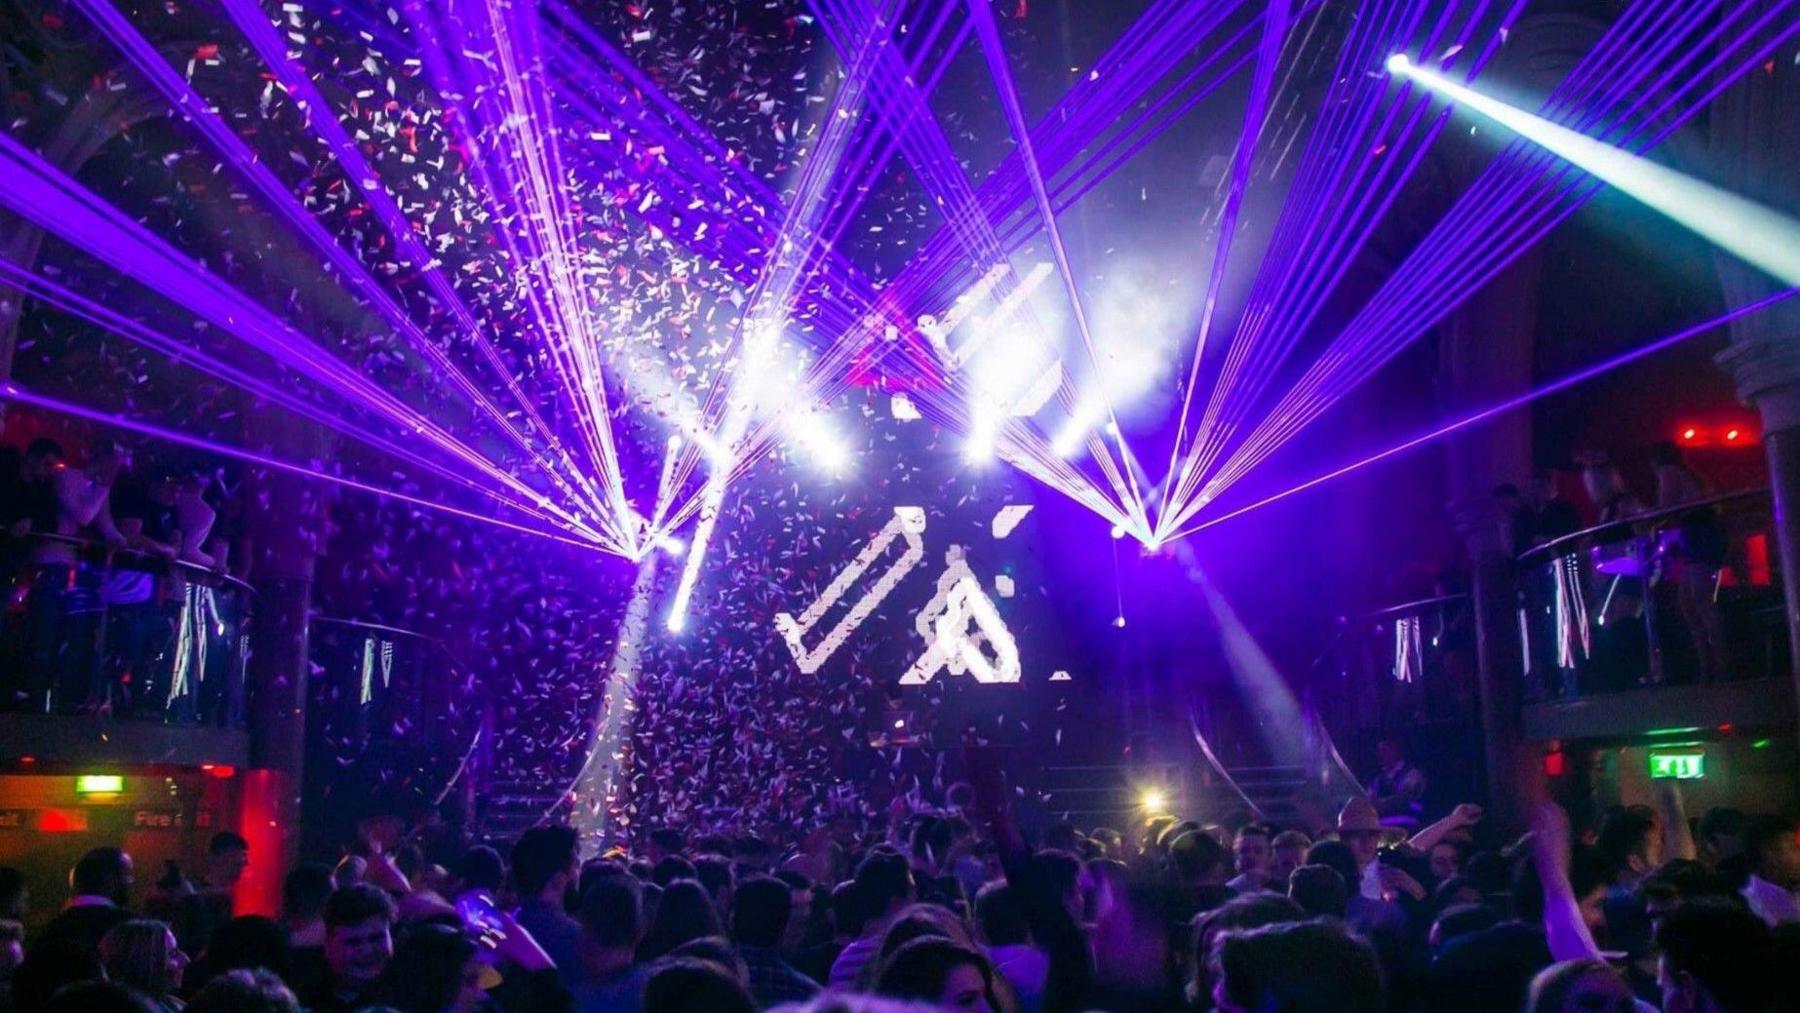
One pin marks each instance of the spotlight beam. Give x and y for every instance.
(1500, 408)
(1757, 234)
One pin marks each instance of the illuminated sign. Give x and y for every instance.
(1678, 766)
(99, 784)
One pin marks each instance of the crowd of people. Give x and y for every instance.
(951, 907)
(96, 615)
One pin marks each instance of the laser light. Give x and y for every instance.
(1398, 63)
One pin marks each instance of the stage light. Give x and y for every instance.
(814, 435)
(1153, 800)
(1757, 234)
(1689, 433)
(1119, 621)
(1732, 434)
(1118, 531)
(671, 545)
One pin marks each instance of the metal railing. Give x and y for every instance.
(1684, 594)
(93, 628)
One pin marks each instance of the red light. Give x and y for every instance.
(27, 760)
(219, 770)
(1731, 434)
(1689, 433)
(1555, 764)
(62, 821)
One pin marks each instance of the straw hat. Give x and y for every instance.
(1359, 814)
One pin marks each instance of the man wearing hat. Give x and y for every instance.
(1359, 827)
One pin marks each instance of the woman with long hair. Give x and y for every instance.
(142, 955)
(685, 913)
(936, 970)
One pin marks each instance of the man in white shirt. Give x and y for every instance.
(1773, 846)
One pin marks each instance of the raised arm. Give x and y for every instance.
(1677, 836)
(1564, 928)
(1465, 815)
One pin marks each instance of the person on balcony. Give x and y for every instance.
(1398, 790)
(1773, 891)
(64, 600)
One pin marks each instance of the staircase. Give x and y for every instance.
(1112, 795)
(1275, 791)
(512, 807)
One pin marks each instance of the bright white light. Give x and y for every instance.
(813, 432)
(1760, 235)
(1399, 63)
(1118, 531)
(1074, 433)
(671, 545)
(1153, 799)
(1119, 622)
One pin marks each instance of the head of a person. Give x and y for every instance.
(1336, 856)
(1543, 485)
(1310, 967)
(664, 842)
(1457, 921)
(714, 950)
(480, 868)
(685, 912)
(1135, 933)
(1445, 860)
(435, 968)
(1677, 882)
(227, 856)
(1721, 832)
(545, 862)
(1112, 843)
(1001, 916)
(671, 868)
(1359, 828)
(1580, 986)
(612, 914)
(1320, 890)
(884, 883)
(751, 852)
(107, 458)
(359, 939)
(760, 911)
(1456, 890)
(693, 985)
(1389, 752)
(1714, 957)
(715, 873)
(103, 872)
(1629, 841)
(142, 954)
(847, 912)
(304, 891)
(1603, 481)
(15, 896)
(1773, 848)
(1062, 870)
(42, 456)
(1062, 836)
(244, 942)
(1239, 914)
(942, 972)
(96, 997)
(802, 897)
(1588, 879)
(1253, 851)
(1199, 859)
(252, 990)
(1288, 852)
(50, 966)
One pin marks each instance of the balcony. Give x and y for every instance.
(1670, 619)
(112, 656)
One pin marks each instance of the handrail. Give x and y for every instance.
(1409, 606)
(433, 642)
(149, 562)
(1537, 553)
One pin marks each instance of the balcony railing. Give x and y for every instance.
(1689, 594)
(92, 629)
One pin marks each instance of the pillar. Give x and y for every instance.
(1754, 135)
(285, 529)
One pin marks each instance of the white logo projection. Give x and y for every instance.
(964, 633)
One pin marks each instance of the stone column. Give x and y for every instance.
(1755, 141)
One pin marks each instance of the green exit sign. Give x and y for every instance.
(1679, 766)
